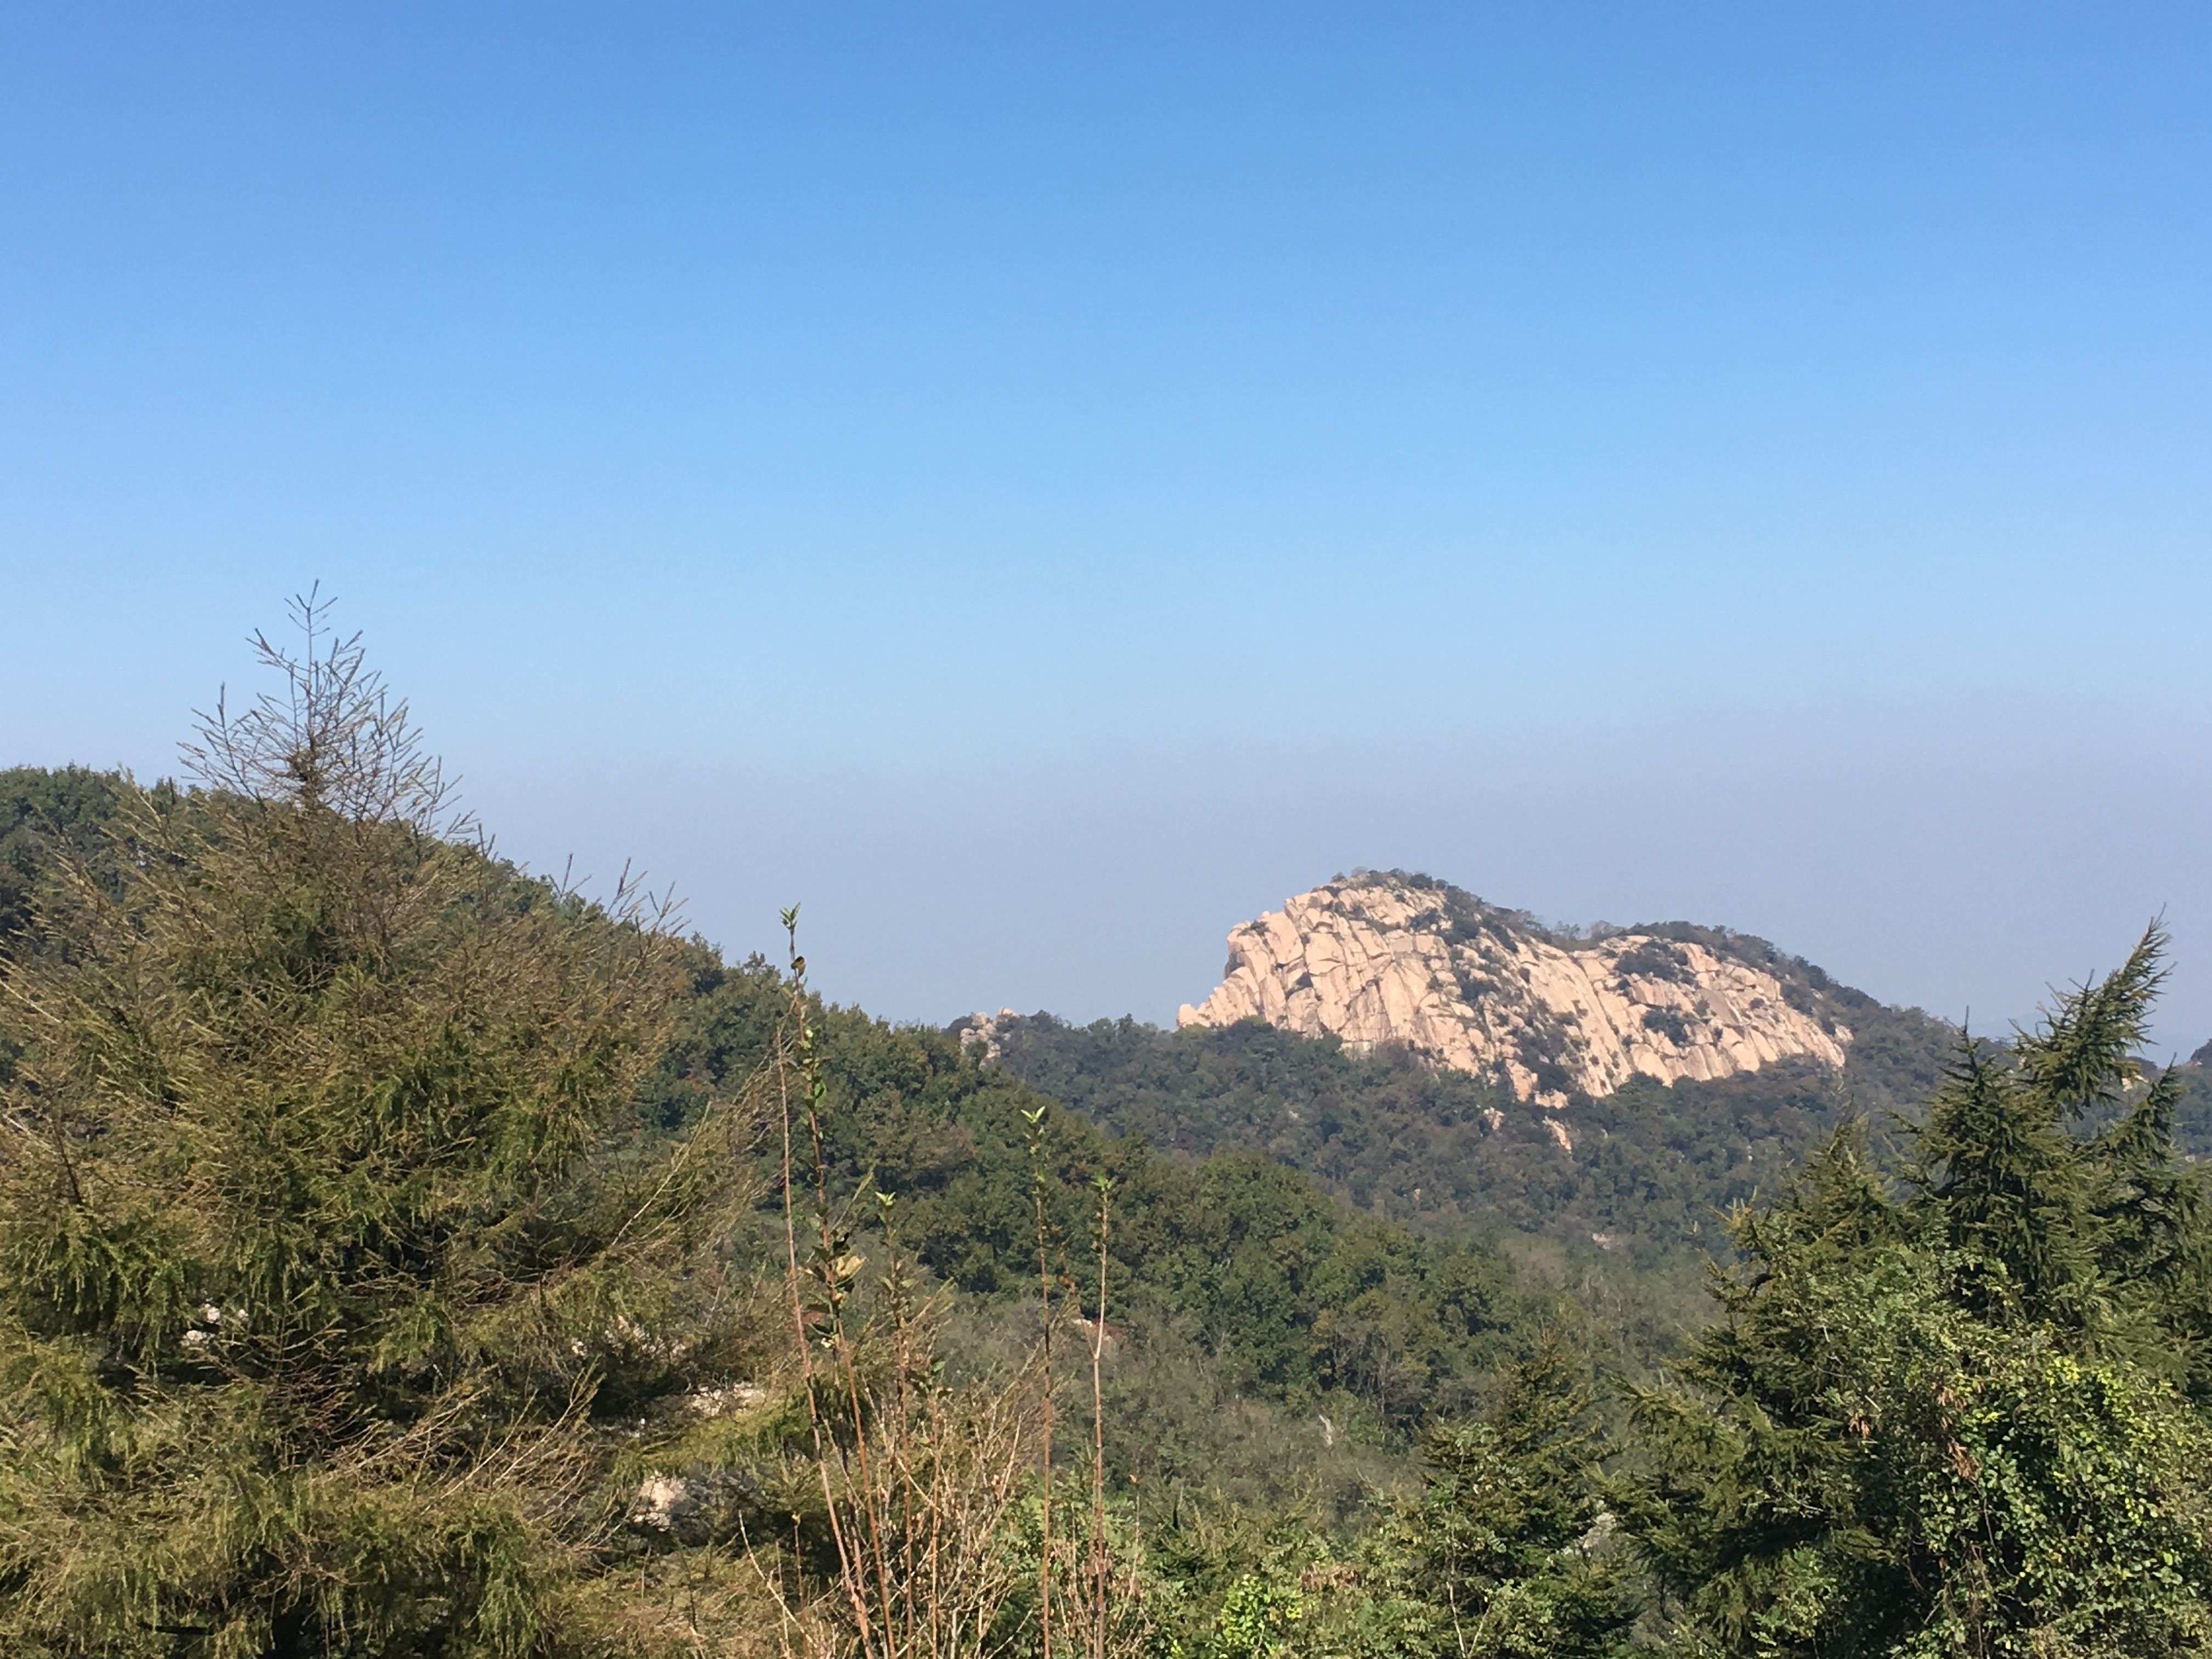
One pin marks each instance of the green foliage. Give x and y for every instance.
(1953, 1418)
(1507, 1551)
(329, 1289)
(1653, 1165)
(1236, 1255)
(1255, 1620)
(1497, 1541)
(2054, 1169)
(45, 814)
(1503, 1549)
(2192, 1107)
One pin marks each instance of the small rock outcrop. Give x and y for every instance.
(1403, 959)
(980, 1030)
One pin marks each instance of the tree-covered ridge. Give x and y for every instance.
(1239, 1256)
(1310, 1304)
(1650, 1167)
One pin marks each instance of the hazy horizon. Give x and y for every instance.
(1039, 489)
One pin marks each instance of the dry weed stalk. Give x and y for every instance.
(1036, 1120)
(1100, 1573)
(926, 1487)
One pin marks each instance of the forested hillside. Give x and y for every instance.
(1239, 1264)
(1651, 1167)
(402, 1255)
(1237, 1261)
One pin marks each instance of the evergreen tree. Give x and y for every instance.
(331, 1286)
(1504, 1554)
(1948, 1417)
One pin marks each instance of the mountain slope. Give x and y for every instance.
(1235, 1275)
(1642, 1168)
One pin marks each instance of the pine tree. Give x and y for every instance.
(1941, 1415)
(1506, 1547)
(332, 1282)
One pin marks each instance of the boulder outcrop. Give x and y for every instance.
(1393, 959)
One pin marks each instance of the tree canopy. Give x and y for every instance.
(1955, 1407)
(323, 1276)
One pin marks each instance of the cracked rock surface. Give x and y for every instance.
(1388, 958)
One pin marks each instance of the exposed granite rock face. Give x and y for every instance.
(1393, 959)
(980, 1029)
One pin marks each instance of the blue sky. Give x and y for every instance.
(1040, 484)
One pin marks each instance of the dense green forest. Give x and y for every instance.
(403, 1255)
(1652, 1165)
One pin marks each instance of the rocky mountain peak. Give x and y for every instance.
(1398, 958)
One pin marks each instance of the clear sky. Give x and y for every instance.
(1039, 484)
